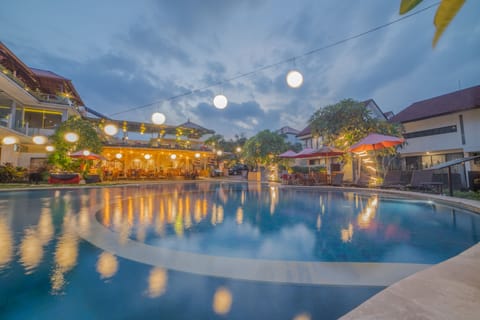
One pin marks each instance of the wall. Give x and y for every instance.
(433, 143)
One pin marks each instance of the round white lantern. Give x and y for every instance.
(110, 129)
(158, 118)
(294, 79)
(220, 101)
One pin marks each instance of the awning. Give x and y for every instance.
(448, 165)
(452, 163)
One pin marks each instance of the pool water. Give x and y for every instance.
(189, 251)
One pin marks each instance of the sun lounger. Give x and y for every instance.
(394, 179)
(422, 180)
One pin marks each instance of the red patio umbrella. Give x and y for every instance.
(288, 154)
(305, 153)
(375, 141)
(327, 151)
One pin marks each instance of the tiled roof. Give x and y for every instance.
(46, 74)
(448, 103)
(305, 132)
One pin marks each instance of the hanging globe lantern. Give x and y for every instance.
(9, 140)
(71, 137)
(158, 118)
(39, 139)
(220, 101)
(294, 79)
(110, 129)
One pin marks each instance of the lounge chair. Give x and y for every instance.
(422, 180)
(337, 179)
(394, 179)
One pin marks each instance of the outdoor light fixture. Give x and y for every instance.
(219, 152)
(110, 129)
(173, 156)
(158, 118)
(71, 137)
(9, 140)
(294, 79)
(220, 101)
(50, 148)
(118, 156)
(86, 153)
(197, 155)
(147, 156)
(39, 139)
(238, 149)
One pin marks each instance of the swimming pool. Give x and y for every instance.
(214, 250)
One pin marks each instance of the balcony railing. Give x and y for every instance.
(40, 96)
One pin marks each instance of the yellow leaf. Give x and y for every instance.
(407, 5)
(445, 14)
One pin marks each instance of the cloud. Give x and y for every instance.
(176, 55)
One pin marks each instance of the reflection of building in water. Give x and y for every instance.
(157, 282)
(273, 199)
(347, 234)
(45, 227)
(57, 280)
(6, 242)
(319, 222)
(239, 215)
(107, 265)
(222, 301)
(30, 250)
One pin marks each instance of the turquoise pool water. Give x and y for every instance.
(213, 250)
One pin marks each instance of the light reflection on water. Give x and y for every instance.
(38, 234)
(271, 223)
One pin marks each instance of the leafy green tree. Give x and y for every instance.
(88, 140)
(264, 148)
(346, 122)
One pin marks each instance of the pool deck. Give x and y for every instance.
(448, 290)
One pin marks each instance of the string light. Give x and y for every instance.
(158, 118)
(220, 101)
(281, 62)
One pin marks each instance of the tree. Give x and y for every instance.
(263, 148)
(346, 122)
(88, 139)
(446, 11)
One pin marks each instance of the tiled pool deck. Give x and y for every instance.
(449, 290)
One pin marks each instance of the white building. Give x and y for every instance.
(441, 129)
(290, 134)
(32, 103)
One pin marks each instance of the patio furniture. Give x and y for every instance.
(337, 179)
(394, 179)
(422, 180)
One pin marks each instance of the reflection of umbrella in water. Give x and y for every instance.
(86, 155)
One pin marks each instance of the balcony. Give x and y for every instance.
(18, 84)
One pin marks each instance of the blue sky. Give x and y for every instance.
(123, 54)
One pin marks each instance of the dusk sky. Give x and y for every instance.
(122, 55)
